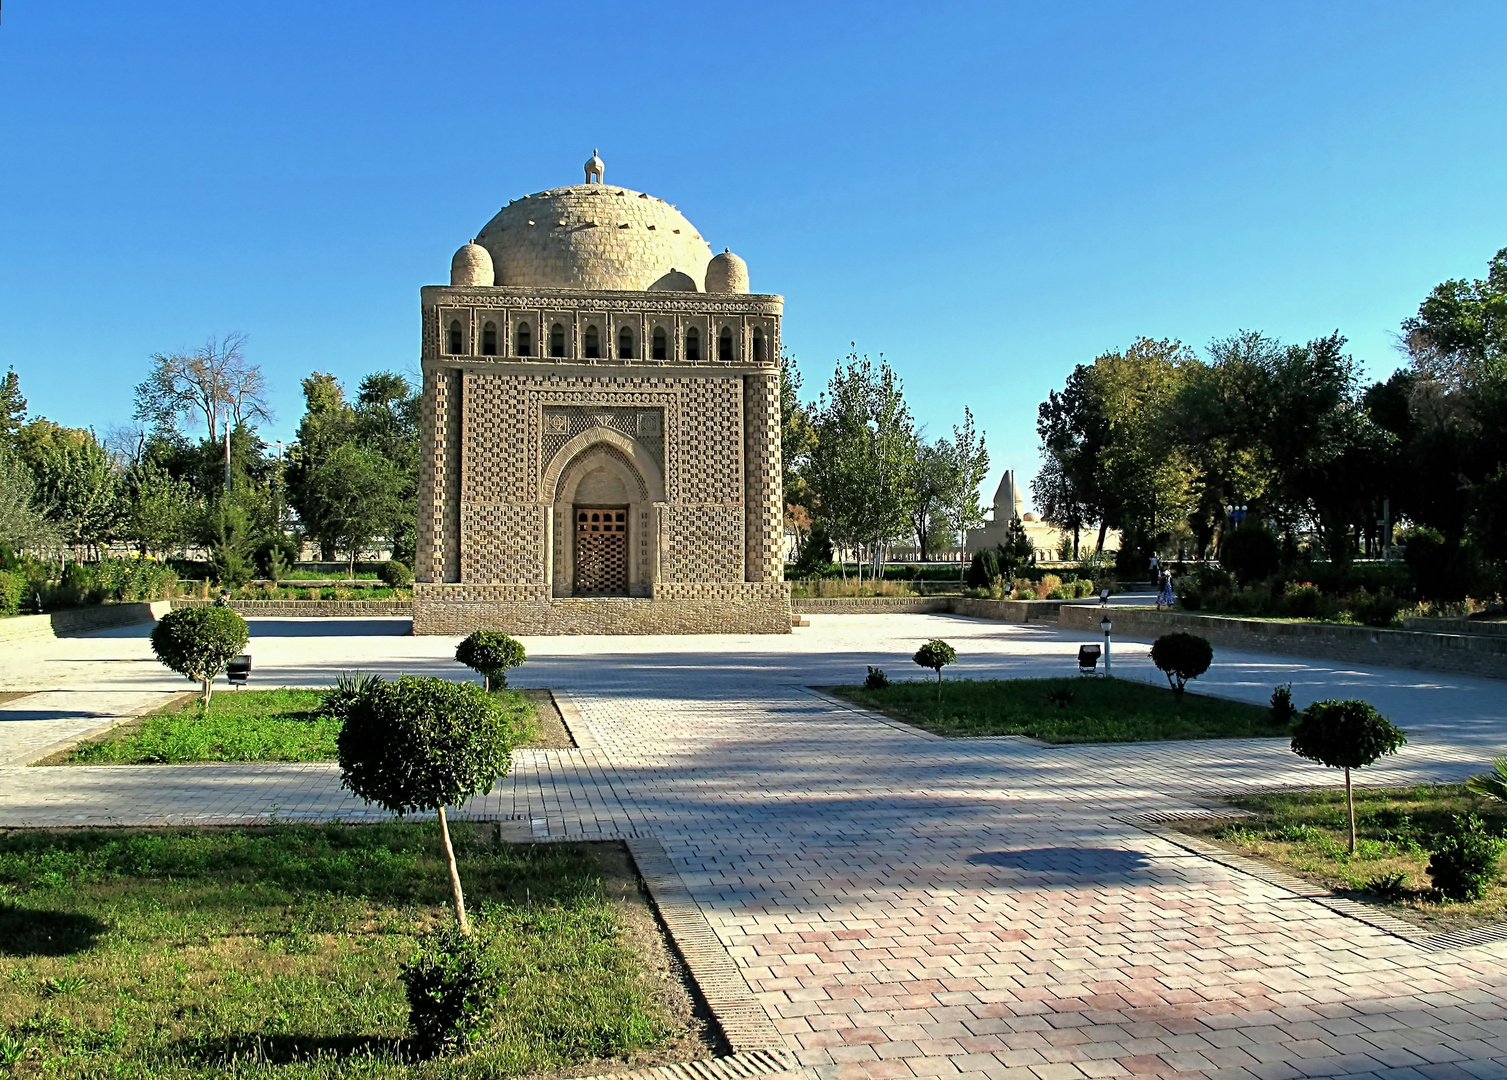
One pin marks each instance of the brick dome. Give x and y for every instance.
(592, 236)
(472, 265)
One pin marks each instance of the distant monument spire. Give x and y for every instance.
(595, 169)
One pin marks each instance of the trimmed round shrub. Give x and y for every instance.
(1250, 553)
(491, 653)
(1463, 862)
(419, 743)
(395, 574)
(1181, 657)
(198, 642)
(936, 654)
(452, 989)
(1345, 735)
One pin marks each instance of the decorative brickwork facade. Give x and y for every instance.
(603, 458)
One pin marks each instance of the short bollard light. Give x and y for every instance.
(1106, 626)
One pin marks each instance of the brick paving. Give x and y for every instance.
(910, 906)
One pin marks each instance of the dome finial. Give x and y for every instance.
(595, 169)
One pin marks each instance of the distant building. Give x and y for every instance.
(1050, 542)
(601, 446)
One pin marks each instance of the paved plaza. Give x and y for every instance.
(901, 905)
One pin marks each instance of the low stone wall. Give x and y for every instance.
(1466, 654)
(1017, 611)
(733, 607)
(79, 621)
(311, 609)
(1496, 627)
(871, 605)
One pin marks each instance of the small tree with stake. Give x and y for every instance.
(936, 655)
(1345, 735)
(198, 642)
(1181, 657)
(425, 744)
(491, 654)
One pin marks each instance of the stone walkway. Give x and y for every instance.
(904, 905)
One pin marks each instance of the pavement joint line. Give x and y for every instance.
(106, 724)
(1300, 889)
(739, 1014)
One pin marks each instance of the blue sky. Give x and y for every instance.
(987, 194)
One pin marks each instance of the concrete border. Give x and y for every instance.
(31, 757)
(71, 621)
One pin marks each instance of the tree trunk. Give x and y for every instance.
(1103, 529)
(455, 893)
(486, 684)
(1350, 802)
(208, 689)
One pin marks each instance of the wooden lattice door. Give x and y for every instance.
(602, 550)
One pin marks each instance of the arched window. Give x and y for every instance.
(557, 340)
(725, 344)
(625, 343)
(489, 339)
(592, 345)
(525, 340)
(661, 346)
(457, 339)
(692, 345)
(758, 346)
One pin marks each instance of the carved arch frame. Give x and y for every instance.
(595, 448)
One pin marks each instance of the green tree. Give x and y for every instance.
(77, 488)
(1345, 735)
(421, 744)
(1181, 657)
(158, 508)
(936, 654)
(198, 642)
(22, 525)
(491, 654)
(351, 498)
(863, 462)
(965, 465)
(12, 408)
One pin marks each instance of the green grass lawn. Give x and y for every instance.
(274, 952)
(1308, 833)
(244, 725)
(1085, 710)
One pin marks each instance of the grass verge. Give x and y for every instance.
(1068, 710)
(274, 952)
(244, 725)
(1307, 834)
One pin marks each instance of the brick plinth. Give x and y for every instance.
(727, 608)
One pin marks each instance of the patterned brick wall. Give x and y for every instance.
(704, 543)
(764, 540)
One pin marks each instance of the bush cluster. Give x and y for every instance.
(452, 988)
(395, 574)
(1212, 590)
(1463, 861)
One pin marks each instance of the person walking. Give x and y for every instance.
(1164, 593)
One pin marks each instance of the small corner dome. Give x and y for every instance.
(1028, 516)
(472, 265)
(726, 273)
(674, 281)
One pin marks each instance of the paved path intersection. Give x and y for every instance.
(904, 905)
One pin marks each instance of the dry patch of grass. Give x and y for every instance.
(1306, 833)
(274, 952)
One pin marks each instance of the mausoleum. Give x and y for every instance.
(601, 446)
